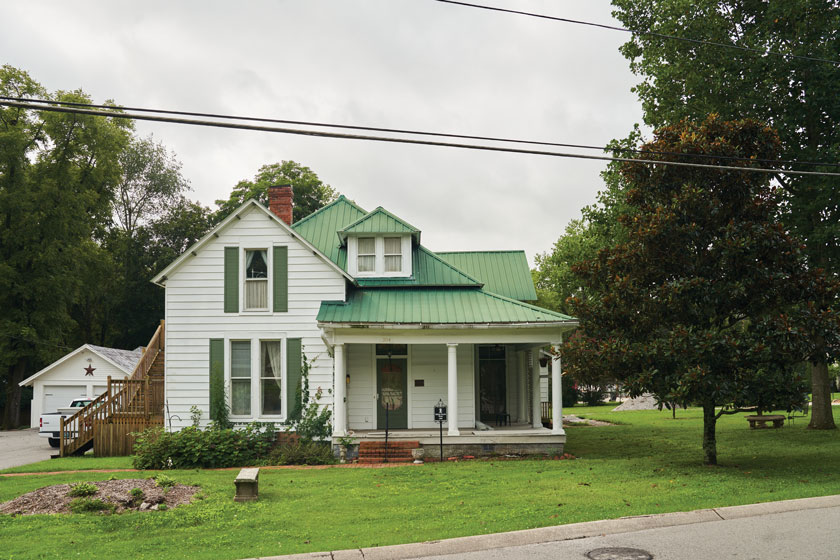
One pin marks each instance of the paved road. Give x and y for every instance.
(801, 529)
(21, 447)
(796, 534)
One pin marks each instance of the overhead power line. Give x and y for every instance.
(642, 33)
(416, 132)
(324, 134)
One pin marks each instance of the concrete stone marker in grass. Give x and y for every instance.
(247, 485)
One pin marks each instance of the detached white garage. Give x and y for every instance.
(81, 373)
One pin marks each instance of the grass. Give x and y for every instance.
(648, 464)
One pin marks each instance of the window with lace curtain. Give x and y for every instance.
(256, 382)
(256, 279)
(367, 254)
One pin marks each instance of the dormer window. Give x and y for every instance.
(380, 255)
(367, 254)
(393, 254)
(256, 279)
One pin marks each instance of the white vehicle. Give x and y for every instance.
(51, 421)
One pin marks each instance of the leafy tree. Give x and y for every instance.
(58, 173)
(797, 97)
(708, 300)
(310, 193)
(151, 182)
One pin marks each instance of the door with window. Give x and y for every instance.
(392, 386)
(492, 382)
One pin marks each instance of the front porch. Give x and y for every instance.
(488, 379)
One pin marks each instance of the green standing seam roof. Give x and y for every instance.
(379, 221)
(433, 306)
(502, 272)
(320, 227)
(428, 270)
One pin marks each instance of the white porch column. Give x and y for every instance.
(340, 392)
(522, 367)
(452, 377)
(536, 411)
(556, 390)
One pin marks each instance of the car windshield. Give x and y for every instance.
(79, 404)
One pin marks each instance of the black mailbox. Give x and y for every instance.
(440, 412)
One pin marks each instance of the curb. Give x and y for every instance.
(564, 532)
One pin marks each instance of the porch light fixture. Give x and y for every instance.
(348, 379)
(543, 361)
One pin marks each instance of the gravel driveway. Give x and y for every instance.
(21, 447)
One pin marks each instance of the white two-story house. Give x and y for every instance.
(388, 327)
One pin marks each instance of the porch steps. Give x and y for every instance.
(371, 452)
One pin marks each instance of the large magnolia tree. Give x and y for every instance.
(796, 96)
(707, 299)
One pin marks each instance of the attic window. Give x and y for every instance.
(379, 255)
(393, 254)
(256, 279)
(367, 254)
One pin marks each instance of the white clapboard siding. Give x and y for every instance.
(194, 313)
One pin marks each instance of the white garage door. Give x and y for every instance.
(98, 390)
(56, 396)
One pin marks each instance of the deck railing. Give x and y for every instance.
(133, 403)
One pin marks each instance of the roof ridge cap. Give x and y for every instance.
(375, 210)
(340, 198)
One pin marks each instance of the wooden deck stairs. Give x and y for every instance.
(127, 406)
(397, 451)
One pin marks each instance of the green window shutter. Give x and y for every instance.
(231, 280)
(294, 367)
(281, 279)
(217, 377)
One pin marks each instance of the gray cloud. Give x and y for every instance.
(391, 63)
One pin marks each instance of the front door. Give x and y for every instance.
(392, 387)
(492, 383)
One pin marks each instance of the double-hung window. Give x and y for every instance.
(380, 255)
(256, 279)
(393, 254)
(367, 254)
(256, 382)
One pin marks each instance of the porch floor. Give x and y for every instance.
(513, 434)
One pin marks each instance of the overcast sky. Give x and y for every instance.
(390, 63)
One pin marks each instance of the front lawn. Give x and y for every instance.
(648, 464)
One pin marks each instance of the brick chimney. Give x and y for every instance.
(280, 202)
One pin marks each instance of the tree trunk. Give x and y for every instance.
(821, 415)
(709, 442)
(11, 415)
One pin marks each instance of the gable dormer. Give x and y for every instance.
(379, 245)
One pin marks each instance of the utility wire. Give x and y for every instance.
(37, 342)
(323, 134)
(642, 33)
(415, 132)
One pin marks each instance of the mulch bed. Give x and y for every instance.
(54, 499)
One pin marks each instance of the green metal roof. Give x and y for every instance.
(502, 272)
(433, 306)
(427, 270)
(379, 221)
(320, 227)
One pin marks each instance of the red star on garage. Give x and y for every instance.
(89, 370)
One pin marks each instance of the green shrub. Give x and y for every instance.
(164, 481)
(86, 505)
(571, 395)
(211, 448)
(307, 419)
(163, 507)
(136, 494)
(83, 489)
(303, 453)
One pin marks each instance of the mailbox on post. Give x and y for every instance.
(440, 418)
